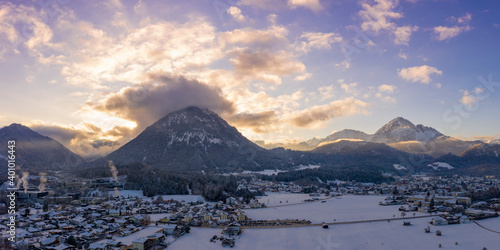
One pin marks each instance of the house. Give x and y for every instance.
(438, 221)
(98, 246)
(142, 244)
(136, 219)
(63, 247)
(231, 201)
(242, 217)
(232, 229)
(114, 212)
(169, 229)
(188, 218)
(121, 222)
(207, 217)
(157, 238)
(165, 219)
(87, 235)
(48, 242)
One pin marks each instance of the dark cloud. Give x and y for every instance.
(151, 101)
(104, 143)
(84, 141)
(259, 122)
(61, 134)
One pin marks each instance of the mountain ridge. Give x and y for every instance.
(36, 152)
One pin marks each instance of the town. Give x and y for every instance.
(106, 216)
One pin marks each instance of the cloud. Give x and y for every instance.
(264, 4)
(273, 37)
(463, 19)
(379, 16)
(98, 58)
(468, 99)
(419, 74)
(326, 92)
(319, 116)
(343, 65)
(163, 94)
(272, 18)
(25, 27)
(104, 143)
(81, 139)
(303, 77)
(313, 5)
(386, 99)
(446, 33)
(235, 12)
(383, 91)
(386, 88)
(265, 65)
(403, 55)
(403, 34)
(317, 40)
(349, 88)
(260, 122)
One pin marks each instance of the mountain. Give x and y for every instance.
(403, 135)
(196, 139)
(400, 129)
(301, 146)
(477, 155)
(437, 147)
(395, 131)
(482, 154)
(35, 152)
(346, 134)
(368, 154)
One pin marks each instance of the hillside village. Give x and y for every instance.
(112, 218)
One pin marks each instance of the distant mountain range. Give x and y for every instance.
(398, 133)
(195, 139)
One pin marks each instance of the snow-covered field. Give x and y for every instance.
(442, 165)
(344, 208)
(369, 235)
(275, 199)
(276, 171)
(399, 167)
(376, 235)
(263, 172)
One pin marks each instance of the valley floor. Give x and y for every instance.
(368, 235)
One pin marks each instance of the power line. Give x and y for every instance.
(491, 230)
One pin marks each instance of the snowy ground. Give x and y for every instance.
(127, 240)
(344, 208)
(275, 171)
(276, 199)
(376, 235)
(442, 165)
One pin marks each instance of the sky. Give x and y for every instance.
(94, 74)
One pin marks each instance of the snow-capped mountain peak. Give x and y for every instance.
(401, 129)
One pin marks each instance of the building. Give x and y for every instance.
(232, 229)
(169, 229)
(142, 244)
